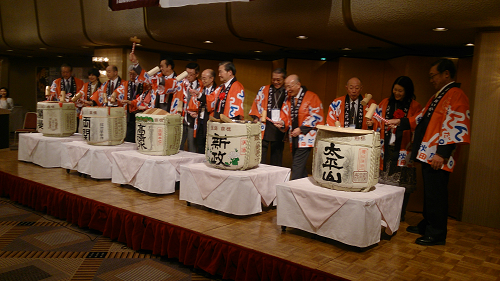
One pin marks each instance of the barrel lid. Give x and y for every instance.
(344, 130)
(156, 111)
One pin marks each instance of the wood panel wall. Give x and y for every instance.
(482, 193)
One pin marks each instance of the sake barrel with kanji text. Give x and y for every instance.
(346, 159)
(157, 132)
(233, 146)
(104, 125)
(56, 119)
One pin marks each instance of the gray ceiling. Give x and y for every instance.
(378, 29)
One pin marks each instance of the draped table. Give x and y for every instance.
(41, 150)
(353, 218)
(229, 191)
(151, 173)
(93, 160)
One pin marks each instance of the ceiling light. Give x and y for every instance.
(85, 47)
(470, 45)
(440, 29)
(10, 50)
(303, 37)
(43, 48)
(100, 59)
(190, 53)
(322, 58)
(59, 56)
(258, 51)
(346, 49)
(207, 42)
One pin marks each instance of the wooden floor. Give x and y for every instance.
(471, 253)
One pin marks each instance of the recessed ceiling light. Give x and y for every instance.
(258, 51)
(346, 49)
(59, 56)
(470, 45)
(85, 47)
(10, 50)
(190, 53)
(207, 42)
(303, 37)
(440, 29)
(43, 48)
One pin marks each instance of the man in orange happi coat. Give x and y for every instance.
(302, 111)
(348, 110)
(229, 96)
(267, 104)
(439, 128)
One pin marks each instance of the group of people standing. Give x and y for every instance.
(287, 108)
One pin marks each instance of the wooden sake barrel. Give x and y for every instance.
(104, 125)
(157, 132)
(233, 146)
(56, 119)
(346, 159)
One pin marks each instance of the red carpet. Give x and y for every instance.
(142, 233)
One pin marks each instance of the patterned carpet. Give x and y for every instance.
(34, 246)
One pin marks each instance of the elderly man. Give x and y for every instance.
(302, 111)
(348, 110)
(229, 96)
(198, 108)
(267, 104)
(189, 87)
(440, 126)
(102, 97)
(71, 85)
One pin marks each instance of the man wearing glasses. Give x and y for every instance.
(302, 111)
(190, 87)
(441, 125)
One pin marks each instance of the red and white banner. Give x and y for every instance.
(117, 5)
(180, 3)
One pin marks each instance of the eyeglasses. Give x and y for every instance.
(290, 86)
(432, 76)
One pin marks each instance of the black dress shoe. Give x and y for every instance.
(429, 241)
(414, 229)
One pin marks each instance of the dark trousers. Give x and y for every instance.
(188, 134)
(435, 213)
(276, 152)
(300, 156)
(201, 136)
(130, 136)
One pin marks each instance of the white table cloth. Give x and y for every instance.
(43, 151)
(154, 174)
(93, 160)
(232, 192)
(353, 218)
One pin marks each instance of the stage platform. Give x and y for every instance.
(244, 247)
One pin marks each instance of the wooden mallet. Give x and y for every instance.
(134, 40)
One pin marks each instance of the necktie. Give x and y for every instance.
(68, 85)
(352, 113)
(111, 88)
(133, 90)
